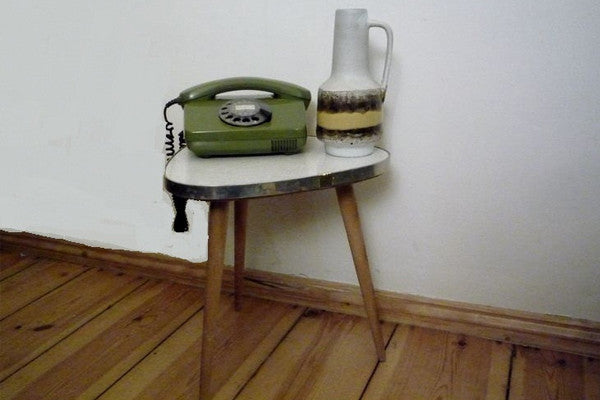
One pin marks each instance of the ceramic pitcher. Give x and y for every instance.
(349, 106)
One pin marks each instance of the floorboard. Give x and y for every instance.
(44, 322)
(91, 359)
(12, 263)
(547, 375)
(325, 356)
(171, 371)
(32, 283)
(73, 332)
(429, 364)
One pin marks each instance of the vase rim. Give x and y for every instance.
(357, 10)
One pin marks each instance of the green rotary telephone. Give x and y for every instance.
(226, 126)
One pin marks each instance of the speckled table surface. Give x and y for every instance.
(229, 178)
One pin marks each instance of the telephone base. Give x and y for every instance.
(247, 147)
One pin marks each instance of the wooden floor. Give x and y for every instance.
(69, 331)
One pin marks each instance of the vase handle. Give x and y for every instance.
(388, 51)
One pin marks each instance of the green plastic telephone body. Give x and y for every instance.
(238, 126)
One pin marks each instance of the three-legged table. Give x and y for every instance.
(223, 180)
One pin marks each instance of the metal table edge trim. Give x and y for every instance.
(254, 190)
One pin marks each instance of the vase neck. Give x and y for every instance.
(350, 42)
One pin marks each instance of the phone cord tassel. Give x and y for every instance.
(180, 223)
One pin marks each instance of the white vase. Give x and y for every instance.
(349, 105)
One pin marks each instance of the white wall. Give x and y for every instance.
(492, 120)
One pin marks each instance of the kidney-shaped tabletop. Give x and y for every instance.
(241, 177)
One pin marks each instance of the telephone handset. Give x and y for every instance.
(239, 125)
(209, 90)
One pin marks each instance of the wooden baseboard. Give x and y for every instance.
(530, 329)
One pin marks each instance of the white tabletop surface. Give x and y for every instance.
(189, 176)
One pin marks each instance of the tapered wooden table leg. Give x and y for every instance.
(240, 217)
(217, 232)
(349, 211)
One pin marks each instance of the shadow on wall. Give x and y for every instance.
(305, 231)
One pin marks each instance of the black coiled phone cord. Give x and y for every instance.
(170, 136)
(180, 223)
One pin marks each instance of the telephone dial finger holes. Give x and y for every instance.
(244, 112)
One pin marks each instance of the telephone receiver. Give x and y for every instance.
(209, 90)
